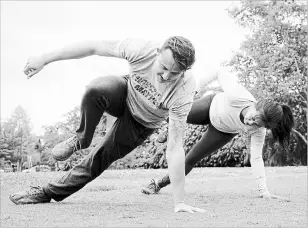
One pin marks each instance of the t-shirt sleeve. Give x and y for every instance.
(180, 109)
(236, 93)
(136, 51)
(183, 101)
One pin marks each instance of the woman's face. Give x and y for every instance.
(253, 117)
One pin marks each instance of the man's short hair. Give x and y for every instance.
(183, 51)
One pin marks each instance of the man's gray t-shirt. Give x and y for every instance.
(149, 101)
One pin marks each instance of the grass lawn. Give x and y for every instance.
(114, 199)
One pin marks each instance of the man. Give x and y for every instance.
(159, 85)
(228, 113)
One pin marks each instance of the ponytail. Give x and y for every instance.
(282, 131)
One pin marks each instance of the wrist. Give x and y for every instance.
(46, 59)
(178, 202)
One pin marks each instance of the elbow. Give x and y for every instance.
(255, 159)
(175, 155)
(93, 48)
(92, 51)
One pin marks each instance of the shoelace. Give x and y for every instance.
(35, 190)
(153, 185)
(74, 143)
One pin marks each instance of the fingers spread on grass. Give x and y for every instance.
(187, 208)
(200, 210)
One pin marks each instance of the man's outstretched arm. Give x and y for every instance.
(75, 51)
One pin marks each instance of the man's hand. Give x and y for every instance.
(268, 195)
(182, 207)
(33, 66)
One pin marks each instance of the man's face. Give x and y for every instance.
(165, 67)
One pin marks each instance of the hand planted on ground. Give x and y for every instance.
(268, 195)
(182, 207)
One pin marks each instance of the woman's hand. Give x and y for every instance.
(268, 195)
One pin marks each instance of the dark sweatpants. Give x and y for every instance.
(103, 94)
(211, 140)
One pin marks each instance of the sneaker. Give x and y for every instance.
(163, 136)
(65, 149)
(152, 188)
(31, 196)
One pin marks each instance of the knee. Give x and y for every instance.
(106, 86)
(94, 87)
(97, 93)
(190, 162)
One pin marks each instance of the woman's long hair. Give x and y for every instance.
(278, 118)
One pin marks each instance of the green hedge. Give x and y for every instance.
(151, 154)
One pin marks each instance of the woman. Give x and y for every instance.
(228, 113)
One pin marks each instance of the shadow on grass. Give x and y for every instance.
(101, 188)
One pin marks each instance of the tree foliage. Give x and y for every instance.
(16, 137)
(272, 62)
